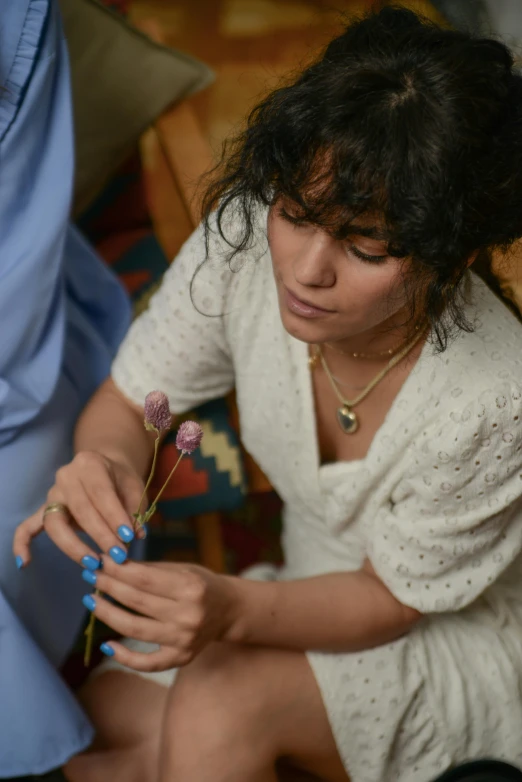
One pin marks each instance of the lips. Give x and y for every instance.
(304, 309)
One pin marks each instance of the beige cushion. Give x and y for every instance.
(122, 81)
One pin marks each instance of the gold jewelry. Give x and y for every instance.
(346, 418)
(382, 354)
(343, 384)
(56, 507)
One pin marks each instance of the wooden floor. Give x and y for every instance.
(251, 45)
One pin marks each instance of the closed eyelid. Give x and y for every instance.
(378, 252)
(368, 257)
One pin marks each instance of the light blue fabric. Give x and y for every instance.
(62, 316)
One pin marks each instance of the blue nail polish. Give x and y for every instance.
(106, 649)
(118, 555)
(89, 576)
(125, 533)
(91, 563)
(89, 602)
(19, 562)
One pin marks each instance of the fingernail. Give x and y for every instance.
(91, 563)
(142, 532)
(19, 562)
(89, 576)
(89, 602)
(106, 649)
(125, 533)
(118, 554)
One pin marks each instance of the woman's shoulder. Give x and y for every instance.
(491, 355)
(477, 380)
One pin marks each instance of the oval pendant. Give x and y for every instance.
(347, 419)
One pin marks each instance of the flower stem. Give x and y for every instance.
(89, 633)
(152, 508)
(151, 474)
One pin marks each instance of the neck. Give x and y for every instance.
(375, 344)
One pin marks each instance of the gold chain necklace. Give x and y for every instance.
(381, 354)
(346, 418)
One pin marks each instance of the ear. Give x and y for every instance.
(472, 258)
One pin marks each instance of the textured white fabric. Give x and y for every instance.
(435, 505)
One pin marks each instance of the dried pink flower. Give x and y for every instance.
(157, 412)
(189, 437)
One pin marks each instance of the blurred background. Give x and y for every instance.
(251, 44)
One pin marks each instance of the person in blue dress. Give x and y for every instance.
(62, 317)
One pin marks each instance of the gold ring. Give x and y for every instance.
(56, 507)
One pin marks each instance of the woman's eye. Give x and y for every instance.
(294, 219)
(366, 256)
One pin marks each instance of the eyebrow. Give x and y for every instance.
(379, 234)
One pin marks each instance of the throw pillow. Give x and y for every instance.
(121, 81)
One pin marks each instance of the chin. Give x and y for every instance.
(303, 330)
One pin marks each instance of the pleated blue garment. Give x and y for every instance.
(62, 317)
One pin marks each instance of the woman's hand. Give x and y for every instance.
(180, 607)
(101, 494)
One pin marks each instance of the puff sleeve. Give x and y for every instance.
(453, 522)
(179, 344)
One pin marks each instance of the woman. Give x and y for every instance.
(378, 383)
(63, 315)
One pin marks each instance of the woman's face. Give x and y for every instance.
(329, 289)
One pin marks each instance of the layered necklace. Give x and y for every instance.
(346, 418)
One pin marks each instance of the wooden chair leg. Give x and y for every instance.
(210, 542)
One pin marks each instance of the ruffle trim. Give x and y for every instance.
(15, 84)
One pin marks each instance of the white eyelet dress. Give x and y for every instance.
(435, 505)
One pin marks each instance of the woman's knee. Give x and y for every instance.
(224, 694)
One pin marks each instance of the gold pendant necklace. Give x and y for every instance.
(346, 418)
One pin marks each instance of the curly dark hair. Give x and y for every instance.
(399, 118)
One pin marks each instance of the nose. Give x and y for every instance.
(313, 264)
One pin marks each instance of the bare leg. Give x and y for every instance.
(127, 712)
(235, 711)
(230, 716)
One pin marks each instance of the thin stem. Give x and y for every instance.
(151, 474)
(90, 636)
(89, 632)
(153, 506)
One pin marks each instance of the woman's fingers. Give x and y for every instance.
(84, 514)
(90, 494)
(132, 497)
(59, 528)
(100, 485)
(151, 577)
(23, 536)
(162, 659)
(138, 627)
(97, 494)
(148, 605)
(130, 490)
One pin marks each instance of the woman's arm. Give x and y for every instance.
(112, 425)
(334, 612)
(184, 607)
